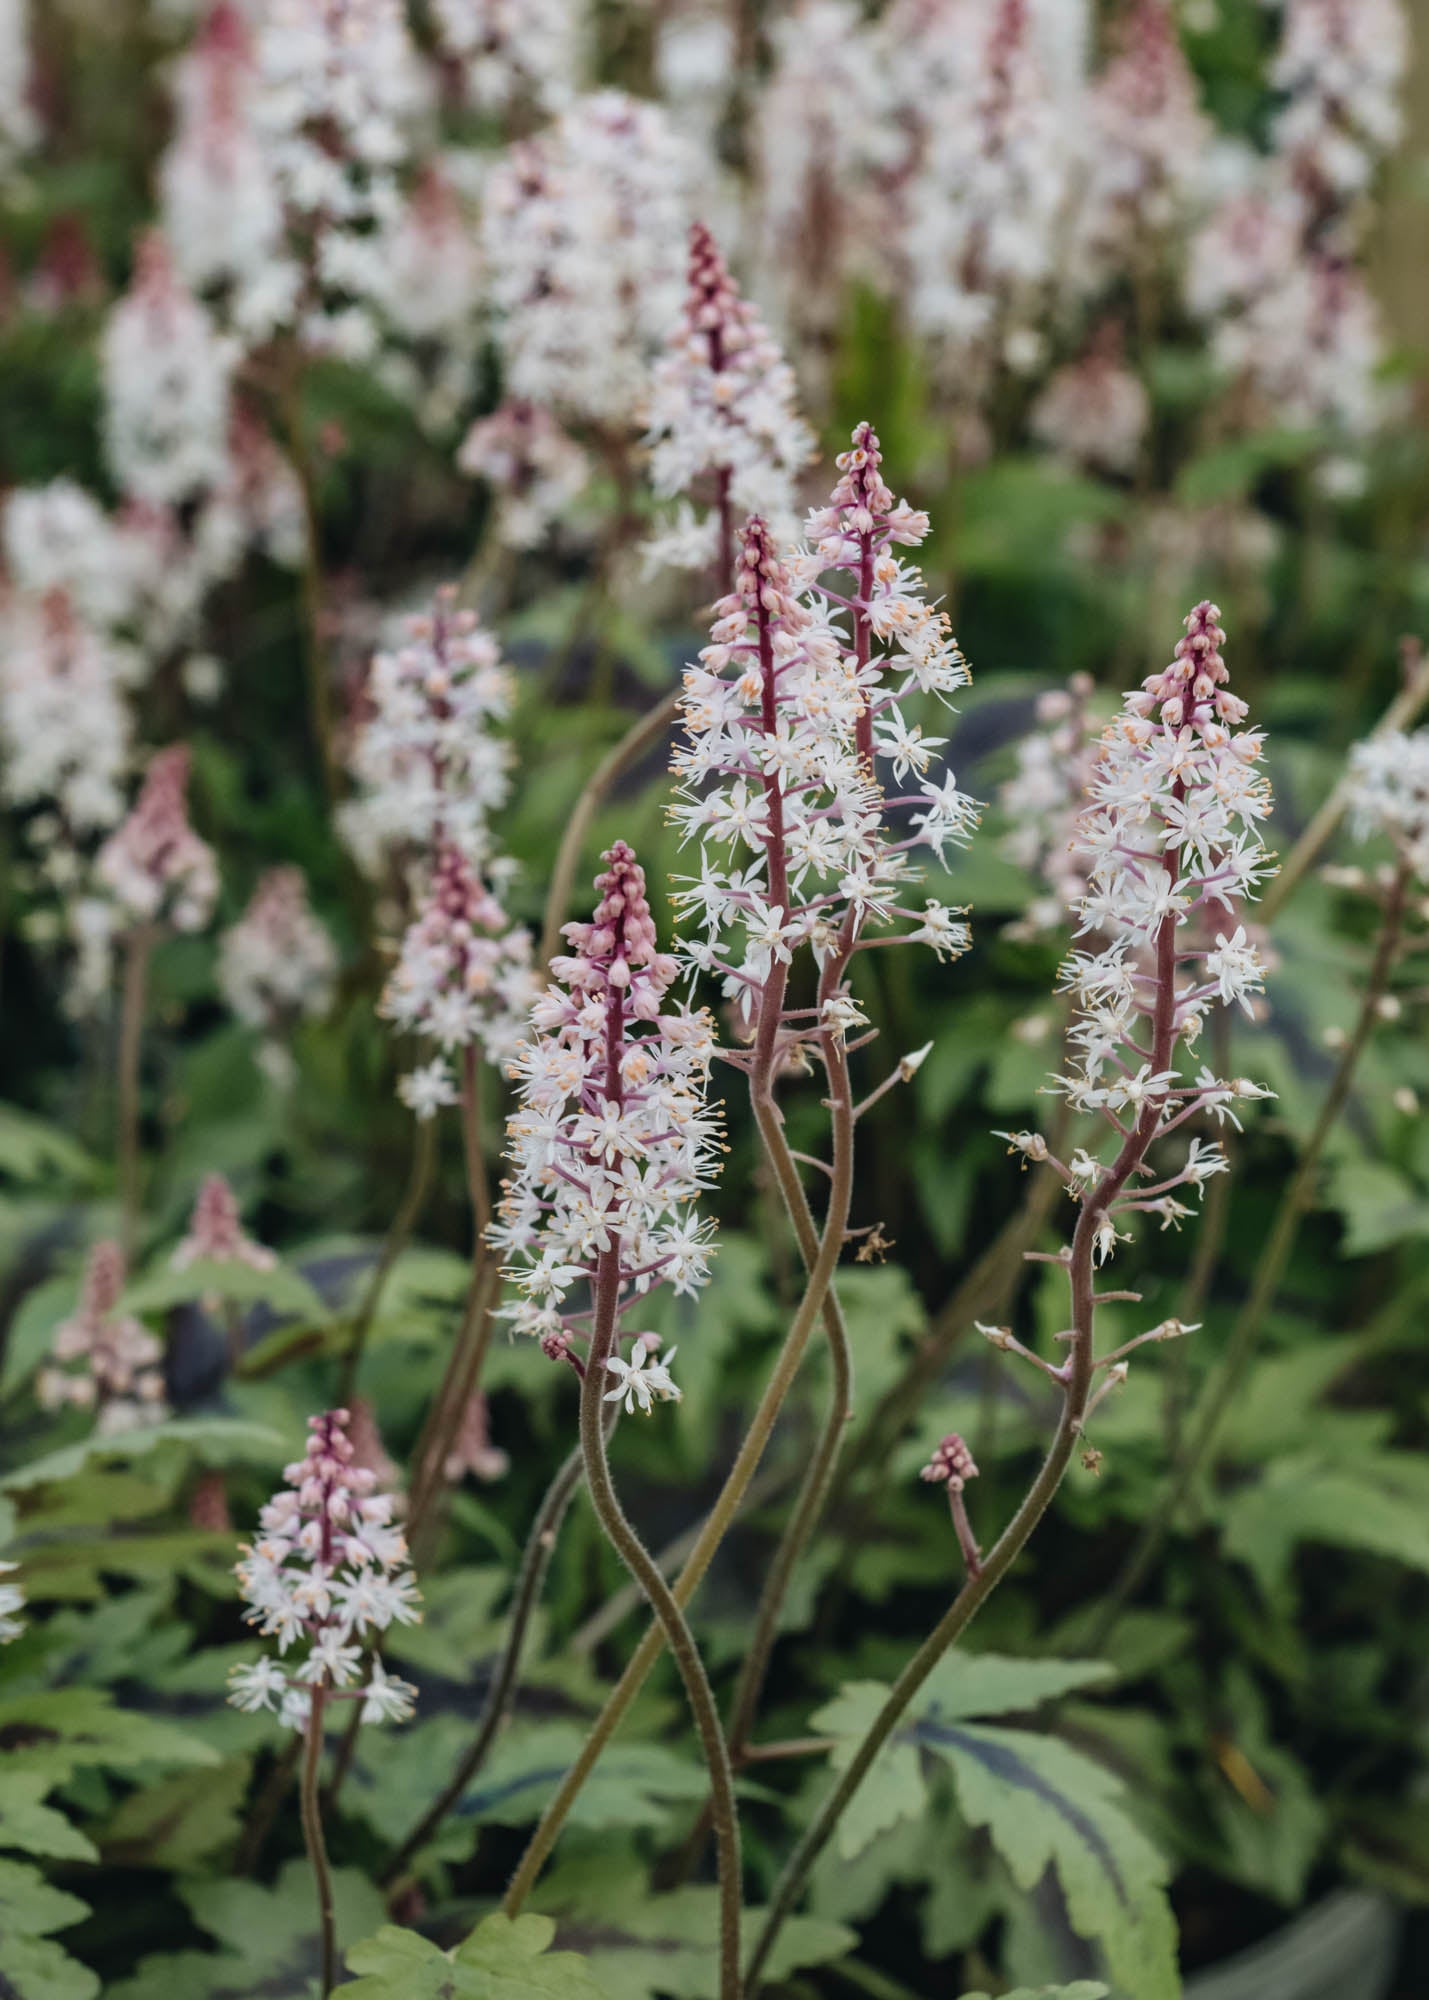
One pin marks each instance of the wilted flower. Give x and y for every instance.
(326, 1571)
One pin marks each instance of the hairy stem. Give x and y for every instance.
(671, 1618)
(313, 1838)
(726, 1506)
(1270, 1269)
(535, 1562)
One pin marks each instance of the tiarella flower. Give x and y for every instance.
(1389, 793)
(222, 214)
(166, 386)
(102, 1359)
(826, 141)
(612, 1140)
(57, 537)
(642, 1380)
(795, 703)
(1094, 412)
(429, 291)
(1341, 65)
(985, 211)
(19, 127)
(472, 1450)
(1145, 140)
(582, 229)
(722, 418)
(428, 1089)
(216, 1234)
(1173, 847)
(463, 978)
(534, 468)
(1042, 802)
(326, 1572)
(154, 867)
(339, 87)
(277, 965)
(511, 53)
(12, 1602)
(64, 719)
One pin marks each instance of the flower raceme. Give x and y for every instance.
(463, 979)
(722, 413)
(103, 1359)
(1171, 838)
(1389, 794)
(277, 965)
(795, 703)
(326, 1571)
(154, 866)
(612, 1140)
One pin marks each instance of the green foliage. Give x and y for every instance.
(32, 1965)
(501, 1960)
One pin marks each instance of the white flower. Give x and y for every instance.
(386, 1698)
(428, 1089)
(258, 1684)
(642, 1377)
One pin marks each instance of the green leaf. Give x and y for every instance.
(39, 1969)
(30, 1149)
(57, 1732)
(282, 1288)
(1379, 1504)
(30, 1907)
(977, 1684)
(215, 1441)
(1046, 1805)
(32, 1827)
(501, 1960)
(180, 1821)
(1083, 1989)
(268, 1938)
(892, 1789)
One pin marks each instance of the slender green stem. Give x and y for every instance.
(984, 1577)
(535, 1562)
(1271, 1261)
(137, 947)
(313, 1837)
(637, 1559)
(396, 1241)
(712, 1534)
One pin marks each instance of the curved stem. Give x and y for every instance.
(639, 738)
(711, 1535)
(313, 1837)
(1014, 1538)
(396, 1241)
(685, 1653)
(535, 1562)
(457, 1387)
(1270, 1269)
(137, 947)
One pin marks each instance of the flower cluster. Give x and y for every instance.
(428, 763)
(511, 52)
(722, 411)
(1389, 794)
(154, 866)
(326, 1571)
(982, 239)
(581, 230)
(427, 284)
(102, 1359)
(1094, 411)
(222, 213)
(1341, 64)
(166, 386)
(534, 467)
(612, 1140)
(1042, 802)
(216, 1234)
(1172, 845)
(277, 965)
(472, 1450)
(64, 720)
(463, 978)
(788, 716)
